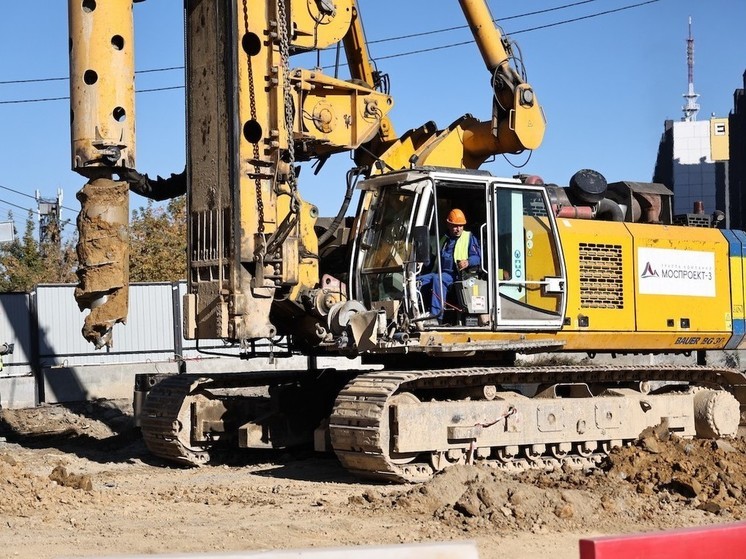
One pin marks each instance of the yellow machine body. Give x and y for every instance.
(649, 280)
(639, 288)
(252, 235)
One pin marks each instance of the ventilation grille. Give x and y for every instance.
(692, 220)
(601, 279)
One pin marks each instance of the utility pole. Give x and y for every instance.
(50, 214)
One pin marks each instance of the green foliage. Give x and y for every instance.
(158, 242)
(25, 263)
(157, 251)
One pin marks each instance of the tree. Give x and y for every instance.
(157, 251)
(158, 242)
(25, 263)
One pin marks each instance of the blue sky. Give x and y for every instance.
(607, 84)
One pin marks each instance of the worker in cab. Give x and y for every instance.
(459, 251)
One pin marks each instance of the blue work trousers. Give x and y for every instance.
(437, 289)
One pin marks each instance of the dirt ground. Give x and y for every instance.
(79, 483)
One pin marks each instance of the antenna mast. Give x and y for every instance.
(692, 107)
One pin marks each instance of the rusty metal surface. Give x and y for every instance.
(162, 418)
(103, 257)
(179, 417)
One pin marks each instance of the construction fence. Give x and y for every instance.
(52, 363)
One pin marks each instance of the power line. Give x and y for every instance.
(151, 90)
(385, 40)
(32, 197)
(16, 206)
(34, 80)
(16, 221)
(2, 203)
(168, 88)
(41, 100)
(499, 20)
(396, 55)
(27, 195)
(512, 33)
(66, 78)
(589, 16)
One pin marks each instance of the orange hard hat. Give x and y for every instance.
(456, 217)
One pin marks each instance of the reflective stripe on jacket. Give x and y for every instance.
(460, 251)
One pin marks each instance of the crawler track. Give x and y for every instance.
(359, 425)
(162, 425)
(167, 418)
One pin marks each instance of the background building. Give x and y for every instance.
(737, 164)
(693, 157)
(693, 162)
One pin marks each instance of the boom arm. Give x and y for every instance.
(361, 68)
(517, 120)
(253, 267)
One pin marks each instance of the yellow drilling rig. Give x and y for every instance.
(594, 267)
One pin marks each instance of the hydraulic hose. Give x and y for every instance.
(353, 175)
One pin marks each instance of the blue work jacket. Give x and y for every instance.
(447, 246)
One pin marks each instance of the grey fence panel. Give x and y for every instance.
(150, 321)
(60, 322)
(147, 336)
(215, 356)
(15, 328)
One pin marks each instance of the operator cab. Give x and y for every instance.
(520, 282)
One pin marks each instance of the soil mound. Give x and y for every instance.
(705, 474)
(24, 494)
(96, 420)
(660, 479)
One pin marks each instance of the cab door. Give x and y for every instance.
(526, 263)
